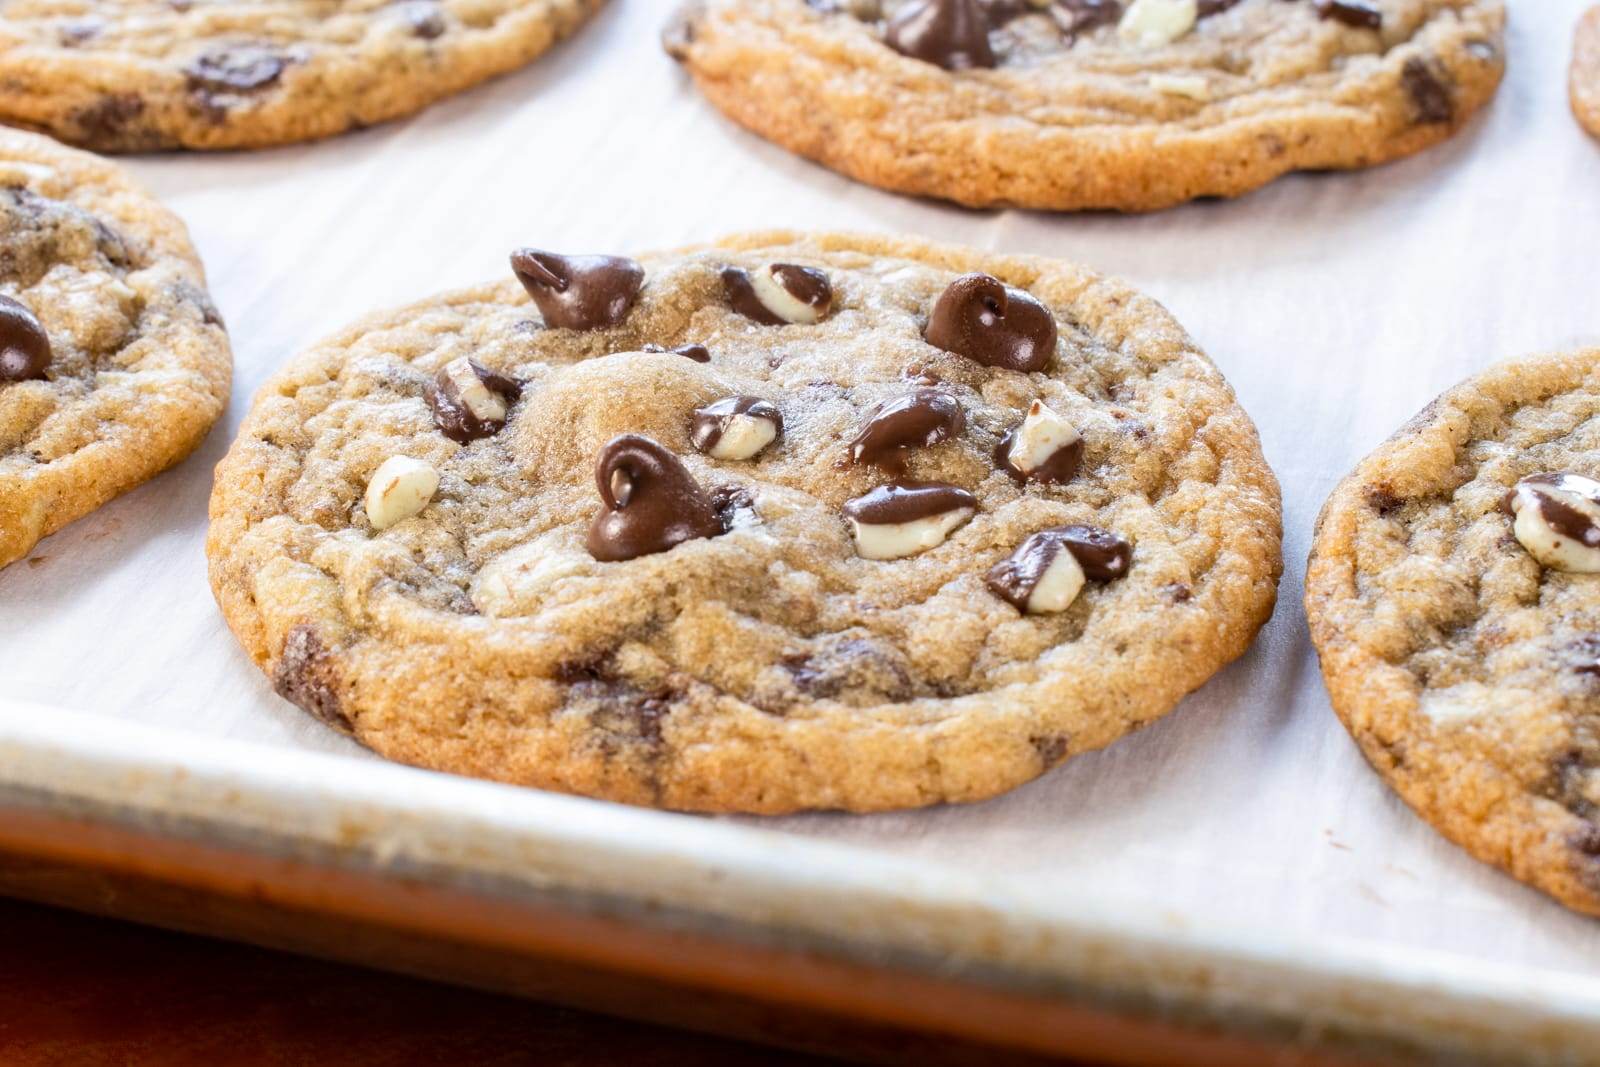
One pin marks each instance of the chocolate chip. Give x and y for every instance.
(468, 400)
(307, 677)
(652, 502)
(24, 345)
(709, 430)
(425, 19)
(1381, 498)
(1178, 592)
(1100, 554)
(904, 501)
(953, 34)
(778, 294)
(1052, 748)
(1583, 654)
(1212, 7)
(579, 292)
(1079, 16)
(850, 663)
(1431, 101)
(698, 353)
(920, 419)
(991, 323)
(1362, 14)
(108, 118)
(237, 69)
(1058, 467)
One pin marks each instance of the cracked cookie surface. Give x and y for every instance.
(1070, 121)
(1469, 674)
(770, 668)
(143, 75)
(138, 365)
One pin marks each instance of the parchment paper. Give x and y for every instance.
(1338, 305)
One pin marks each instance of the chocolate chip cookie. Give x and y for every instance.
(113, 361)
(141, 75)
(1074, 104)
(781, 523)
(1454, 597)
(1584, 80)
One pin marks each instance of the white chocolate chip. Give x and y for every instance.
(485, 404)
(1153, 23)
(514, 582)
(743, 436)
(1544, 542)
(1193, 86)
(896, 540)
(778, 300)
(1042, 434)
(1058, 586)
(400, 488)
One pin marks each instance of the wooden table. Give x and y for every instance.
(89, 992)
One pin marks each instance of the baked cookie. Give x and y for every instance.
(140, 75)
(1454, 600)
(1584, 83)
(1076, 104)
(785, 522)
(113, 361)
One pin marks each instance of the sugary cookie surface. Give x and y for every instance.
(803, 577)
(1076, 104)
(1455, 603)
(113, 361)
(139, 75)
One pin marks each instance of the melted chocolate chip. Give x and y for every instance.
(578, 292)
(990, 323)
(851, 663)
(451, 414)
(902, 501)
(709, 423)
(1052, 748)
(108, 118)
(24, 345)
(1059, 467)
(1560, 516)
(1362, 14)
(953, 34)
(698, 353)
(920, 419)
(652, 502)
(239, 69)
(307, 677)
(425, 19)
(808, 285)
(1430, 97)
(1102, 555)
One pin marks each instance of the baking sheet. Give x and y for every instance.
(1337, 305)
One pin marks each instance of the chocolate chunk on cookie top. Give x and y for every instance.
(733, 529)
(1130, 105)
(113, 362)
(1454, 598)
(139, 75)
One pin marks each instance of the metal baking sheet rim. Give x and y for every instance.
(735, 883)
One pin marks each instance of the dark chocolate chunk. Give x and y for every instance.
(24, 345)
(920, 419)
(307, 677)
(452, 414)
(578, 292)
(1079, 16)
(652, 502)
(953, 34)
(991, 323)
(1431, 100)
